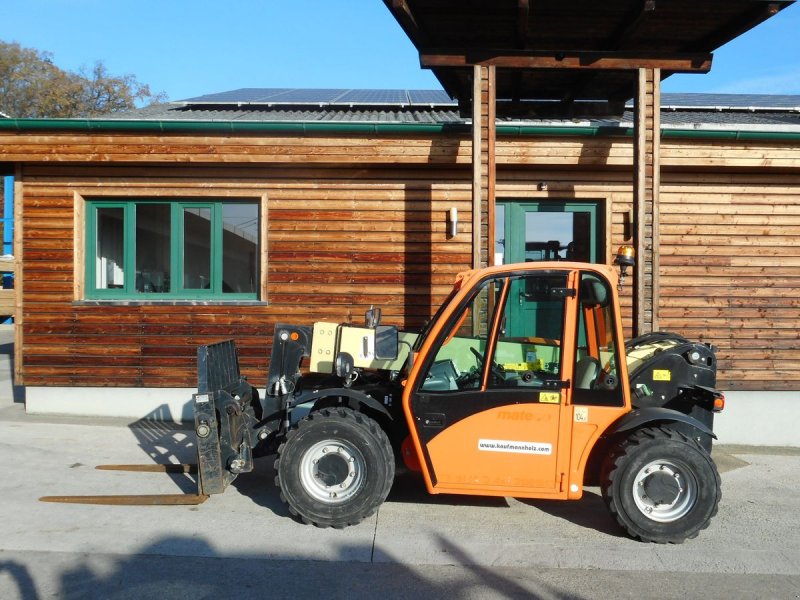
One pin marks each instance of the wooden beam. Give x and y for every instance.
(491, 163)
(483, 162)
(523, 16)
(572, 109)
(761, 12)
(404, 16)
(676, 63)
(646, 162)
(630, 25)
(614, 42)
(477, 127)
(19, 280)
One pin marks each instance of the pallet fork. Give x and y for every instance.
(225, 408)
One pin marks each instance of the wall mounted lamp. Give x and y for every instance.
(453, 222)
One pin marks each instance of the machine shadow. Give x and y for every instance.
(258, 486)
(166, 441)
(409, 488)
(589, 512)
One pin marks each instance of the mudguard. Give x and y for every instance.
(653, 414)
(358, 397)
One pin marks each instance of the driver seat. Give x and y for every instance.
(586, 371)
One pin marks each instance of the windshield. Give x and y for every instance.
(427, 328)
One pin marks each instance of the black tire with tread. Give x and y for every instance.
(641, 447)
(357, 429)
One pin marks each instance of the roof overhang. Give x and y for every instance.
(570, 59)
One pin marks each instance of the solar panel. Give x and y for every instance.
(430, 97)
(374, 97)
(321, 96)
(740, 101)
(241, 95)
(307, 96)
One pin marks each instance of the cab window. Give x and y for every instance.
(528, 349)
(596, 377)
(526, 314)
(458, 364)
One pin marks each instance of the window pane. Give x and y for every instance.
(500, 234)
(239, 248)
(459, 362)
(152, 248)
(110, 259)
(196, 248)
(528, 351)
(596, 377)
(557, 236)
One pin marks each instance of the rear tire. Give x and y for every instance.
(335, 468)
(661, 485)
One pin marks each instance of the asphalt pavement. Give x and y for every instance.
(243, 544)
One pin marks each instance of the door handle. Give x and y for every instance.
(433, 420)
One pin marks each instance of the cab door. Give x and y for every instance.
(487, 403)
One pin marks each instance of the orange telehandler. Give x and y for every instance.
(521, 385)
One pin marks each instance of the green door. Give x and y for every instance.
(548, 230)
(537, 231)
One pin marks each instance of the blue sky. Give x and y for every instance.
(192, 47)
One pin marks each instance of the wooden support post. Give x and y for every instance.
(18, 275)
(483, 165)
(647, 142)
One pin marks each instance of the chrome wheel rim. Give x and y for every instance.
(332, 471)
(664, 490)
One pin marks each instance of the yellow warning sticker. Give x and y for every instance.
(550, 397)
(661, 375)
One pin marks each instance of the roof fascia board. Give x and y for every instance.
(785, 133)
(676, 63)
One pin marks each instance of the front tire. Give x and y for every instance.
(335, 468)
(661, 485)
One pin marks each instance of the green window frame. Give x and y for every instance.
(118, 250)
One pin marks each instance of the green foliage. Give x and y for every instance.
(31, 86)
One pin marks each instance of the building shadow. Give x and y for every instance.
(191, 567)
(17, 391)
(21, 578)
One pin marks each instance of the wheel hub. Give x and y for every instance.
(662, 487)
(664, 490)
(332, 471)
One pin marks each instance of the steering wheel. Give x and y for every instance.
(497, 371)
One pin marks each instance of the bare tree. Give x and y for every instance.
(31, 85)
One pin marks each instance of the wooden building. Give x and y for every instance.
(142, 236)
(137, 240)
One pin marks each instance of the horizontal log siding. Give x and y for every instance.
(339, 240)
(359, 221)
(730, 272)
(613, 152)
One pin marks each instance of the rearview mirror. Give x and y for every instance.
(372, 318)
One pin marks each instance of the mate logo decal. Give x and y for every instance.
(514, 415)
